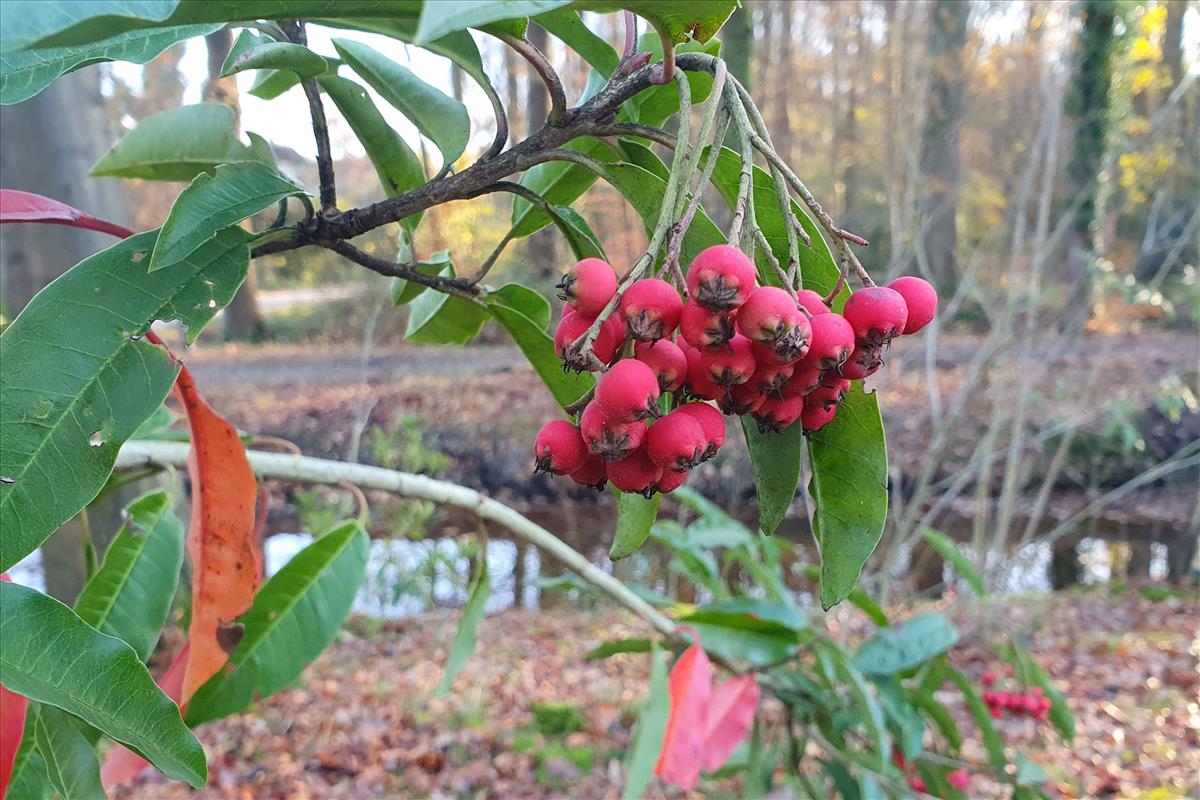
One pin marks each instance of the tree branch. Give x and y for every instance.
(285, 466)
(459, 287)
(295, 32)
(541, 65)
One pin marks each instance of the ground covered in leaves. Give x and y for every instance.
(529, 717)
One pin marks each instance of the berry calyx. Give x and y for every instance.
(558, 448)
(628, 391)
(704, 329)
(588, 286)
(741, 399)
(591, 474)
(721, 277)
(769, 379)
(711, 422)
(876, 313)
(635, 473)
(572, 326)
(920, 298)
(666, 359)
(812, 301)
(676, 442)
(732, 365)
(651, 308)
(770, 317)
(610, 440)
(814, 417)
(831, 343)
(779, 413)
(863, 362)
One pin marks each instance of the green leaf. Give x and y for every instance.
(635, 516)
(464, 639)
(579, 235)
(212, 203)
(271, 83)
(709, 533)
(395, 163)
(439, 117)
(651, 725)
(983, 717)
(537, 345)
(775, 459)
(857, 598)
(609, 649)
(176, 145)
(130, 595)
(295, 616)
(1029, 773)
(29, 780)
(849, 491)
(447, 16)
(405, 291)
(73, 388)
(521, 298)
(52, 656)
(636, 152)
(948, 550)
(898, 648)
(1030, 673)
(758, 632)
(25, 73)
(872, 718)
(437, 318)
(904, 719)
(71, 762)
(560, 183)
(940, 717)
(275, 55)
(570, 28)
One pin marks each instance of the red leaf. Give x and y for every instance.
(226, 561)
(12, 726)
(18, 206)
(690, 686)
(730, 713)
(122, 764)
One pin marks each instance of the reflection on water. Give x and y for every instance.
(406, 577)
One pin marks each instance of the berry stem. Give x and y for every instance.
(541, 65)
(743, 206)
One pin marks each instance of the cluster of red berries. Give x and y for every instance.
(751, 349)
(959, 778)
(1030, 704)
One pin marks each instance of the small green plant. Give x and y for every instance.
(557, 719)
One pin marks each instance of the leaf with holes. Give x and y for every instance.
(849, 492)
(464, 639)
(70, 395)
(178, 144)
(439, 117)
(52, 656)
(295, 616)
(130, 595)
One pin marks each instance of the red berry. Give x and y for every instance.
(741, 399)
(990, 698)
(862, 363)
(634, 473)
(558, 448)
(779, 413)
(732, 365)
(832, 341)
(804, 380)
(771, 317)
(995, 711)
(704, 329)
(1004, 699)
(813, 301)
(1032, 704)
(651, 308)
(769, 379)
(920, 298)
(670, 481)
(876, 314)
(610, 440)
(988, 678)
(765, 354)
(591, 473)
(958, 779)
(698, 382)
(666, 359)
(628, 391)
(711, 422)
(721, 277)
(676, 442)
(588, 286)
(829, 393)
(573, 325)
(813, 418)
(917, 784)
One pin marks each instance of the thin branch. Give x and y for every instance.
(283, 466)
(501, 121)
(541, 65)
(657, 135)
(295, 32)
(630, 36)
(458, 287)
(662, 73)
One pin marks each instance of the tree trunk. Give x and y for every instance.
(940, 142)
(1087, 107)
(243, 322)
(1065, 567)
